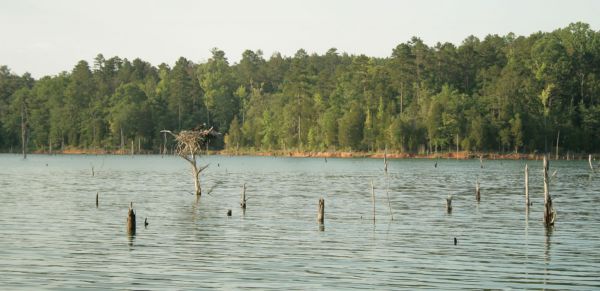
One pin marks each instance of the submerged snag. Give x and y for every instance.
(549, 212)
(449, 204)
(190, 144)
(131, 220)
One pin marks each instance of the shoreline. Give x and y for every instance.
(463, 155)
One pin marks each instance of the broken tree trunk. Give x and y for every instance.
(590, 161)
(449, 204)
(549, 213)
(131, 220)
(321, 211)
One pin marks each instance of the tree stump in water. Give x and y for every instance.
(131, 220)
(527, 202)
(449, 204)
(549, 212)
(96, 199)
(321, 211)
(243, 198)
(477, 191)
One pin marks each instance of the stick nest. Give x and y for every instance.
(190, 142)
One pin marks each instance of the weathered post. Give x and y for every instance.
(321, 211)
(590, 161)
(449, 204)
(131, 220)
(549, 213)
(96, 199)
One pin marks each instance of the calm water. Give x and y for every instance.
(52, 235)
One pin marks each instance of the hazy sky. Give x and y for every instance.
(46, 37)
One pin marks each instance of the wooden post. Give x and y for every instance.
(243, 198)
(321, 211)
(549, 213)
(131, 220)
(96, 199)
(590, 161)
(449, 204)
(373, 199)
(477, 191)
(132, 147)
(481, 161)
(527, 202)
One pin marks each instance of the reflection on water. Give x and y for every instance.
(53, 236)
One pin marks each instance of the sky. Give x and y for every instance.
(47, 37)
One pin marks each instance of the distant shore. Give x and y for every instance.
(461, 155)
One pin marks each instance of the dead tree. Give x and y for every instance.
(189, 147)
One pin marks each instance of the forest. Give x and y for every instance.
(498, 94)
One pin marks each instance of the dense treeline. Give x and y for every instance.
(502, 93)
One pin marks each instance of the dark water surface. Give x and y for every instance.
(52, 236)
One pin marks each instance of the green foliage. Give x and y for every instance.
(500, 93)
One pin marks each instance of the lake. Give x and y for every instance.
(52, 235)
